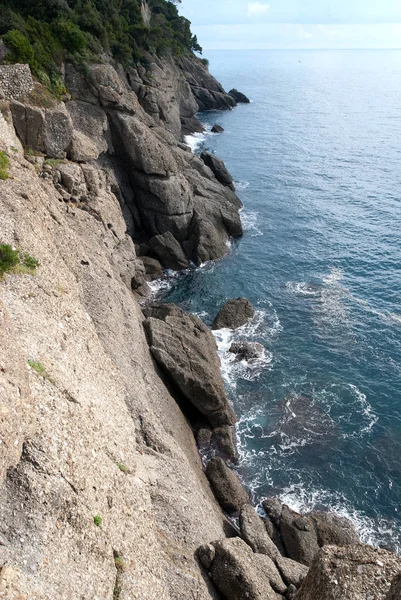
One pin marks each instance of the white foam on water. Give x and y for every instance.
(250, 223)
(195, 141)
(241, 185)
(374, 531)
(303, 288)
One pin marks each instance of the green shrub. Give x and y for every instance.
(4, 165)
(123, 467)
(70, 36)
(38, 367)
(205, 62)
(9, 259)
(21, 50)
(97, 519)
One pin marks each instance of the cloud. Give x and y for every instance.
(256, 9)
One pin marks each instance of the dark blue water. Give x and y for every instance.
(317, 160)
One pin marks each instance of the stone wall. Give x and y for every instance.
(15, 81)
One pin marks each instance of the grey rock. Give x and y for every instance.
(239, 96)
(168, 251)
(217, 129)
(223, 441)
(254, 532)
(234, 314)
(395, 590)
(153, 268)
(90, 129)
(333, 530)
(186, 350)
(218, 167)
(350, 573)
(268, 568)
(246, 350)
(299, 536)
(291, 592)
(273, 508)
(206, 554)
(227, 488)
(292, 572)
(236, 572)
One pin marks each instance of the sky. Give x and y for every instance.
(286, 24)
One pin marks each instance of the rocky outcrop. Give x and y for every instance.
(226, 486)
(219, 169)
(239, 96)
(350, 573)
(234, 314)
(254, 532)
(217, 129)
(186, 350)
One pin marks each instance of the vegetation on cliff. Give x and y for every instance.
(44, 33)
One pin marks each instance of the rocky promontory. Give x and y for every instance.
(106, 400)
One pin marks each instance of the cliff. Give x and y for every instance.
(103, 493)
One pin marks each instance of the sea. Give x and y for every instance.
(316, 158)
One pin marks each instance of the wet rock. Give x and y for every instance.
(217, 129)
(299, 536)
(168, 251)
(235, 571)
(186, 350)
(239, 96)
(227, 487)
(254, 532)
(246, 350)
(350, 573)
(234, 314)
(218, 167)
(292, 572)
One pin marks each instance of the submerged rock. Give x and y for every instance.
(217, 129)
(234, 314)
(246, 350)
(219, 169)
(239, 96)
(350, 573)
(227, 488)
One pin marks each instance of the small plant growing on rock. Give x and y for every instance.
(4, 165)
(14, 261)
(123, 467)
(97, 519)
(38, 367)
(120, 563)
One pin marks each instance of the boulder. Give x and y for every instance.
(235, 571)
(90, 128)
(350, 573)
(217, 129)
(292, 572)
(223, 441)
(186, 350)
(234, 314)
(299, 536)
(273, 508)
(268, 568)
(239, 96)
(219, 169)
(153, 268)
(227, 487)
(395, 590)
(246, 350)
(168, 251)
(333, 530)
(254, 532)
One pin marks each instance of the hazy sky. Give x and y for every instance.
(295, 23)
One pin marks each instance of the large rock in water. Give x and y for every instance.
(246, 350)
(168, 251)
(239, 96)
(226, 486)
(219, 169)
(237, 572)
(186, 350)
(350, 573)
(233, 314)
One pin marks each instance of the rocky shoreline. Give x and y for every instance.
(104, 394)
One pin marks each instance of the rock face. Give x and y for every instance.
(219, 169)
(234, 314)
(395, 590)
(237, 572)
(226, 485)
(350, 573)
(246, 350)
(239, 96)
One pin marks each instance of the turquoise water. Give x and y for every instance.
(316, 157)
